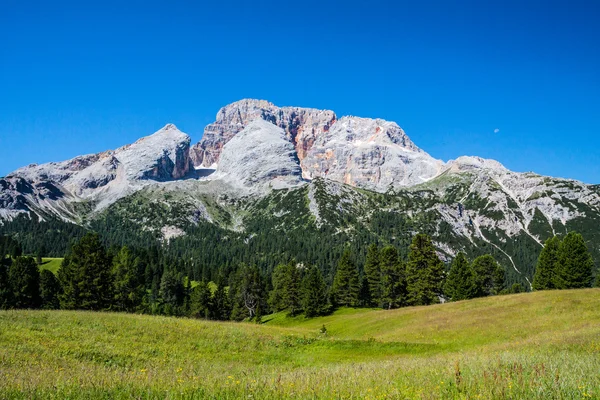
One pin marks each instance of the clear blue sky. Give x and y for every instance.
(86, 76)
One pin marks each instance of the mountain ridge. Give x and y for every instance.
(334, 168)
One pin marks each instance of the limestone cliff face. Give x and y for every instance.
(260, 157)
(368, 153)
(301, 125)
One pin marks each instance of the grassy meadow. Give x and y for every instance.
(52, 264)
(542, 345)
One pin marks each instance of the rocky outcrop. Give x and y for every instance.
(260, 157)
(369, 153)
(302, 126)
(100, 178)
(162, 156)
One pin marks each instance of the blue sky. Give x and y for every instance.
(82, 77)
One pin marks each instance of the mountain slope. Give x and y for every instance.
(483, 348)
(267, 183)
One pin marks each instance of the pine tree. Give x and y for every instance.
(85, 276)
(392, 278)
(489, 276)
(373, 275)
(364, 296)
(424, 272)
(49, 290)
(220, 307)
(574, 266)
(128, 286)
(460, 283)
(172, 293)
(24, 280)
(200, 301)
(286, 279)
(314, 296)
(543, 279)
(247, 294)
(346, 285)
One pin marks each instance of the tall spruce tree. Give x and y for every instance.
(49, 290)
(314, 296)
(373, 275)
(489, 276)
(346, 285)
(364, 296)
(85, 276)
(247, 294)
(200, 300)
(460, 283)
(424, 272)
(286, 280)
(24, 279)
(543, 278)
(574, 266)
(129, 288)
(392, 278)
(172, 293)
(220, 306)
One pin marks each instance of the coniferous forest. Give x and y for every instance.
(139, 280)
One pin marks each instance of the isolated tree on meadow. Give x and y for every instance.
(346, 285)
(545, 269)
(460, 283)
(425, 272)
(574, 265)
(24, 280)
(489, 276)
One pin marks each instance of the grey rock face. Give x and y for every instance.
(101, 178)
(369, 153)
(301, 125)
(161, 156)
(260, 157)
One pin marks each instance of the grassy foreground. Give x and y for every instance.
(543, 345)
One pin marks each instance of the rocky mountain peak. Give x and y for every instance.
(259, 157)
(169, 127)
(301, 125)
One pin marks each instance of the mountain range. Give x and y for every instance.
(301, 174)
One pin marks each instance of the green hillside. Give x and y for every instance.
(536, 345)
(51, 264)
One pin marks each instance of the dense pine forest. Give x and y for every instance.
(150, 280)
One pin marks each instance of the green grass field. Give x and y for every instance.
(52, 264)
(543, 345)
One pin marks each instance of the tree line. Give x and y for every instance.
(564, 264)
(93, 277)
